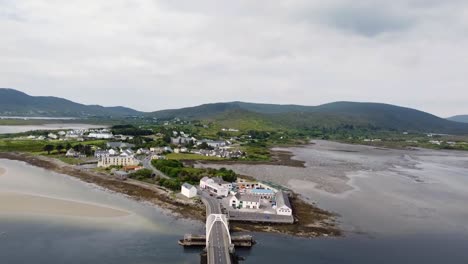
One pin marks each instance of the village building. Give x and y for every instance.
(213, 143)
(105, 153)
(283, 206)
(157, 150)
(119, 145)
(52, 136)
(143, 151)
(188, 190)
(72, 153)
(245, 201)
(262, 193)
(101, 135)
(106, 162)
(121, 175)
(132, 168)
(216, 185)
(182, 140)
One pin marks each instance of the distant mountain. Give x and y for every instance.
(459, 118)
(332, 115)
(248, 115)
(16, 103)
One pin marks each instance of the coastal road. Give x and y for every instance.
(147, 164)
(218, 249)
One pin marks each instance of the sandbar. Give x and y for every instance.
(18, 203)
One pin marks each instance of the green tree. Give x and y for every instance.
(48, 148)
(59, 148)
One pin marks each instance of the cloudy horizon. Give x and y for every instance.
(160, 54)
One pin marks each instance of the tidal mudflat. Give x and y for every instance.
(376, 190)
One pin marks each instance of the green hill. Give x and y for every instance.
(333, 115)
(16, 103)
(243, 115)
(459, 118)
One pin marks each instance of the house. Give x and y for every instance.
(158, 157)
(127, 153)
(121, 175)
(283, 206)
(132, 168)
(245, 201)
(105, 153)
(101, 135)
(72, 153)
(168, 149)
(215, 185)
(213, 143)
(52, 136)
(157, 150)
(143, 151)
(181, 140)
(106, 162)
(119, 145)
(184, 150)
(188, 190)
(262, 193)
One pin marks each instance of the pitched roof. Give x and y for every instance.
(282, 199)
(188, 186)
(249, 198)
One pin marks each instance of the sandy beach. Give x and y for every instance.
(17, 203)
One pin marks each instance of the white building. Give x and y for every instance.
(52, 136)
(213, 143)
(143, 151)
(283, 206)
(188, 190)
(245, 201)
(101, 135)
(216, 185)
(105, 153)
(106, 162)
(72, 153)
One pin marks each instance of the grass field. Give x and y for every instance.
(37, 146)
(189, 156)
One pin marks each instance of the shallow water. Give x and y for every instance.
(20, 129)
(397, 207)
(146, 235)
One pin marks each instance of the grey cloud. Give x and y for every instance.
(366, 21)
(156, 54)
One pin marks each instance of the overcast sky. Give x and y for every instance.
(151, 55)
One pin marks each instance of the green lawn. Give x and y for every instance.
(190, 156)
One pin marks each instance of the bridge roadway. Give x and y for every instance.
(218, 248)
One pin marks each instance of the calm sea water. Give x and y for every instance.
(150, 235)
(26, 128)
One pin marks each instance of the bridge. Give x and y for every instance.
(218, 239)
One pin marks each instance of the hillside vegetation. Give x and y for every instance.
(250, 116)
(459, 118)
(16, 103)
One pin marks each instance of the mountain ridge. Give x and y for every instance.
(377, 116)
(17, 103)
(459, 118)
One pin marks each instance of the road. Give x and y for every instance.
(147, 164)
(218, 249)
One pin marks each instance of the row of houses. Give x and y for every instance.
(220, 153)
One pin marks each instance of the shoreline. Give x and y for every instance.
(278, 158)
(311, 220)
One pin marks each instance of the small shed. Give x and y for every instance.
(188, 190)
